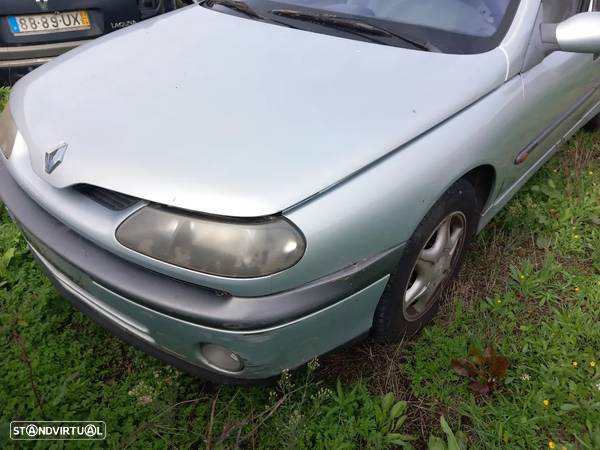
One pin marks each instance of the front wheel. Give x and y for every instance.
(430, 261)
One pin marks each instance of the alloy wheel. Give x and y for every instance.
(434, 265)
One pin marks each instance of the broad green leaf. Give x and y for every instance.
(436, 443)
(452, 442)
(398, 409)
(387, 402)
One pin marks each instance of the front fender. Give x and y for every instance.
(381, 206)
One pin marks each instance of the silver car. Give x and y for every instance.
(287, 176)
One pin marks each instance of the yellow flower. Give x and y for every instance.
(574, 364)
(546, 402)
(499, 301)
(577, 289)
(592, 364)
(591, 172)
(551, 444)
(522, 277)
(576, 236)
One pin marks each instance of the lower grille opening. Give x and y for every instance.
(107, 198)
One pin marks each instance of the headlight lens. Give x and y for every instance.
(8, 132)
(235, 249)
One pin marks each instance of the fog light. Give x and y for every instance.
(221, 358)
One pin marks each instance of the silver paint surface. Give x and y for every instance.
(247, 125)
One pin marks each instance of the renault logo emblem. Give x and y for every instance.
(55, 157)
(42, 4)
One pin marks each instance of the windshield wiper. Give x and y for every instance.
(237, 5)
(352, 25)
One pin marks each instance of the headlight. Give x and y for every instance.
(228, 248)
(8, 132)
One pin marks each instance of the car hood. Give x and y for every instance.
(211, 112)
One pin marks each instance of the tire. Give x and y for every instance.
(396, 319)
(594, 124)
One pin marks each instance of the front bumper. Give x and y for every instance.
(171, 319)
(16, 61)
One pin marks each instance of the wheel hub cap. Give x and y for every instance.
(434, 265)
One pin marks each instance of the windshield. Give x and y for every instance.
(449, 26)
(480, 18)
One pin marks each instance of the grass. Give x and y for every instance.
(531, 287)
(3, 95)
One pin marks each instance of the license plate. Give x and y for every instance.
(49, 23)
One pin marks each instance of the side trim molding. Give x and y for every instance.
(525, 153)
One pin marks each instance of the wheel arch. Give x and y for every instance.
(483, 178)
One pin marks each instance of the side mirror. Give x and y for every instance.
(577, 34)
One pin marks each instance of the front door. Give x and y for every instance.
(559, 92)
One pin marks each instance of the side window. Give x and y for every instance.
(556, 11)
